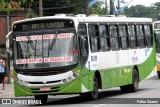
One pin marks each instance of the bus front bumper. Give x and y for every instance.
(72, 87)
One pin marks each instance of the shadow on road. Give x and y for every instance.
(107, 96)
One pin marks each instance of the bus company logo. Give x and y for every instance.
(134, 58)
(6, 101)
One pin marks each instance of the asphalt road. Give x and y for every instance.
(148, 95)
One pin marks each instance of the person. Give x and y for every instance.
(2, 68)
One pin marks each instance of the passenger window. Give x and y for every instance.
(132, 36)
(140, 36)
(104, 37)
(94, 37)
(123, 36)
(148, 35)
(114, 37)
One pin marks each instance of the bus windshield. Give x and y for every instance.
(157, 33)
(47, 50)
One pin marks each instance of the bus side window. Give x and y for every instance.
(132, 36)
(82, 30)
(148, 35)
(94, 38)
(123, 36)
(104, 37)
(114, 37)
(140, 36)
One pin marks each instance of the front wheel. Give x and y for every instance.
(42, 98)
(93, 94)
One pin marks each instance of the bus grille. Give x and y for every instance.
(41, 73)
(49, 82)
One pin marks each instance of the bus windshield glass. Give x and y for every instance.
(157, 33)
(47, 50)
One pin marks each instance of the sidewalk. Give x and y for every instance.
(8, 91)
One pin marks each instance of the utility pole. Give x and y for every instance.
(85, 6)
(40, 8)
(118, 7)
(8, 55)
(106, 3)
(111, 7)
(106, 6)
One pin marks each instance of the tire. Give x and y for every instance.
(124, 89)
(135, 83)
(93, 94)
(43, 98)
(158, 73)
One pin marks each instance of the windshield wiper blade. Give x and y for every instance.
(53, 42)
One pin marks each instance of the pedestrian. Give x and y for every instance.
(2, 69)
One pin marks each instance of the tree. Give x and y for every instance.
(142, 11)
(156, 6)
(52, 7)
(98, 9)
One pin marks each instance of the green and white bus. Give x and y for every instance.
(79, 55)
(157, 36)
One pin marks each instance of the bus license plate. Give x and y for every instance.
(45, 88)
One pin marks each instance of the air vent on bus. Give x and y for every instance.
(80, 15)
(93, 15)
(61, 15)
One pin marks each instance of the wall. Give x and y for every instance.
(13, 16)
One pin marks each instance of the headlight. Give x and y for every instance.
(21, 82)
(72, 77)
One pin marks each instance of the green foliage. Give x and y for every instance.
(3, 5)
(51, 7)
(143, 11)
(97, 9)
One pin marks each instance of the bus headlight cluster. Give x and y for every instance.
(72, 77)
(21, 82)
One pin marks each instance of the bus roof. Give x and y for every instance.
(156, 22)
(91, 18)
(156, 25)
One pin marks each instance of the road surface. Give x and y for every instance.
(148, 95)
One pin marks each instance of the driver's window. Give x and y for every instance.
(83, 43)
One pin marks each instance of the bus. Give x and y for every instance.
(80, 54)
(156, 25)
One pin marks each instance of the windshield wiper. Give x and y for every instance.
(53, 42)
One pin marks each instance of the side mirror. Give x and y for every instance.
(9, 42)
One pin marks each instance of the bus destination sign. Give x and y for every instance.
(43, 24)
